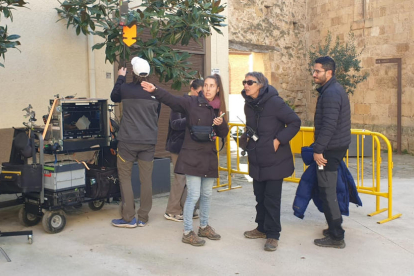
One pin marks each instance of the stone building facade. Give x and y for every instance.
(276, 30)
(383, 29)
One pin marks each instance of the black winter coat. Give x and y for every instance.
(271, 118)
(195, 158)
(176, 132)
(332, 118)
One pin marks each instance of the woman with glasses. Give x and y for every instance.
(270, 125)
(198, 156)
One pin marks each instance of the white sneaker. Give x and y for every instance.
(177, 218)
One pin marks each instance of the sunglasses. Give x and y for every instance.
(249, 82)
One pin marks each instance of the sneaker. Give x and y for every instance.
(141, 223)
(178, 218)
(271, 245)
(325, 232)
(124, 224)
(328, 242)
(208, 232)
(193, 239)
(255, 234)
(195, 215)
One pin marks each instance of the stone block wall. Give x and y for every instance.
(383, 29)
(277, 29)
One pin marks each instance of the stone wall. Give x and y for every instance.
(383, 29)
(278, 30)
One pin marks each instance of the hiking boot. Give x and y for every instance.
(254, 234)
(325, 232)
(124, 224)
(208, 232)
(271, 245)
(193, 239)
(178, 218)
(328, 242)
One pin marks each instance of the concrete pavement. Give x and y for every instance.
(89, 245)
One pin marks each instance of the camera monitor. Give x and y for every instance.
(80, 124)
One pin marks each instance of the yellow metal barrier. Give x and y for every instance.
(305, 138)
(229, 170)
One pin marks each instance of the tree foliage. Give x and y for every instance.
(8, 41)
(170, 22)
(346, 60)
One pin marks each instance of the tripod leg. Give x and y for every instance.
(5, 255)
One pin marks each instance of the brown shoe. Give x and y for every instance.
(209, 233)
(255, 234)
(271, 245)
(193, 239)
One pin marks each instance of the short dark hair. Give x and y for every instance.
(327, 63)
(197, 83)
(261, 79)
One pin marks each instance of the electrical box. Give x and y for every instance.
(64, 175)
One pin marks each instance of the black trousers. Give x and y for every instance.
(327, 182)
(268, 196)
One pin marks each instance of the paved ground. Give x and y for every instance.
(89, 245)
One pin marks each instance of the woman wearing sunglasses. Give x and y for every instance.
(270, 124)
(198, 155)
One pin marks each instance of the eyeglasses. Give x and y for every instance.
(317, 72)
(249, 82)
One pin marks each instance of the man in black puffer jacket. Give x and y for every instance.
(274, 124)
(332, 138)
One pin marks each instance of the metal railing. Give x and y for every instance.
(304, 138)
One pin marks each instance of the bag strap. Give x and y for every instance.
(222, 143)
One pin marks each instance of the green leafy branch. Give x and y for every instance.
(8, 41)
(346, 60)
(169, 23)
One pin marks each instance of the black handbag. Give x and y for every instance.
(101, 182)
(202, 133)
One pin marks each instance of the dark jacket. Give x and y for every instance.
(308, 189)
(332, 118)
(271, 118)
(176, 132)
(139, 124)
(196, 158)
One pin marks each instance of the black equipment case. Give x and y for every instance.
(25, 178)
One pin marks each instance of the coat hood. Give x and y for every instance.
(265, 93)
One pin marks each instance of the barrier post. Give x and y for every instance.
(219, 168)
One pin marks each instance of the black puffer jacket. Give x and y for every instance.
(271, 118)
(332, 118)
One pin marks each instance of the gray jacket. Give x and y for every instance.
(139, 124)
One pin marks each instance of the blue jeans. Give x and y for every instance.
(197, 187)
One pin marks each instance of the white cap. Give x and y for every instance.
(140, 66)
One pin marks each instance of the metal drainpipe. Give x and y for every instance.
(91, 66)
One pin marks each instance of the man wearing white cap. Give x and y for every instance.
(136, 142)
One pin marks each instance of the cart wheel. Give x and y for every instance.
(54, 222)
(30, 238)
(96, 205)
(28, 219)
